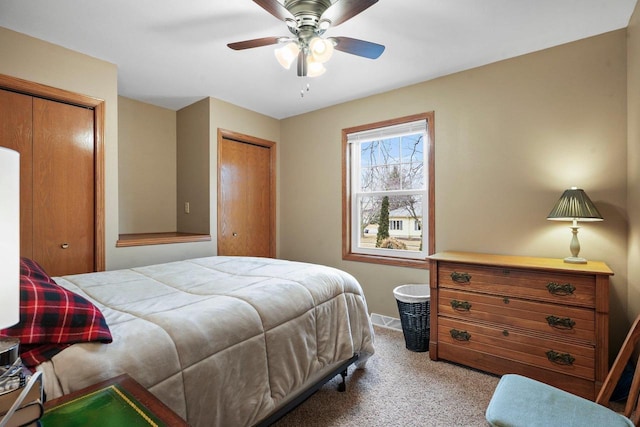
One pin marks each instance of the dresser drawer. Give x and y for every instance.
(546, 286)
(513, 344)
(500, 366)
(558, 321)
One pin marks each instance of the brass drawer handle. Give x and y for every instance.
(460, 335)
(560, 322)
(460, 277)
(460, 305)
(560, 289)
(560, 358)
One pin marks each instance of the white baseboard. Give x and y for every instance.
(386, 321)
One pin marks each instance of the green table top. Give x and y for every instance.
(111, 406)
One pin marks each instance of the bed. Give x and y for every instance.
(223, 341)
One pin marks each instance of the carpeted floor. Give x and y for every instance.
(399, 387)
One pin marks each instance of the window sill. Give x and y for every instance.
(146, 239)
(398, 262)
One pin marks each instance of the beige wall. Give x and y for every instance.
(146, 167)
(509, 138)
(157, 137)
(633, 161)
(193, 168)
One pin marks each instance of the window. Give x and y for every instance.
(388, 181)
(395, 224)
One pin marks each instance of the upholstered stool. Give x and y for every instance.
(522, 402)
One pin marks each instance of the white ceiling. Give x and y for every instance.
(171, 53)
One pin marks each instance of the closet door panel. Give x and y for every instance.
(258, 222)
(244, 199)
(63, 176)
(232, 238)
(15, 133)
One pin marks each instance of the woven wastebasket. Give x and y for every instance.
(413, 306)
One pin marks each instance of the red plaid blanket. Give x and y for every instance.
(52, 317)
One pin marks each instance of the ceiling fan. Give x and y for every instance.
(308, 20)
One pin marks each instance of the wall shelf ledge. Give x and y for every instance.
(146, 239)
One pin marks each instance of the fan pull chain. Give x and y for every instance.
(302, 91)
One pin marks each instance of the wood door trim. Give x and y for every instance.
(247, 139)
(26, 87)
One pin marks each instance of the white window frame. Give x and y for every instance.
(352, 138)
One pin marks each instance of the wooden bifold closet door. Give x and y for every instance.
(246, 211)
(57, 188)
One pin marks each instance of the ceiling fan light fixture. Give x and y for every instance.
(287, 54)
(320, 49)
(315, 69)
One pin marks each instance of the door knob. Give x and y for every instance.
(235, 234)
(64, 245)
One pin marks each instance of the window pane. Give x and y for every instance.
(380, 152)
(413, 176)
(412, 147)
(398, 226)
(392, 164)
(381, 178)
(368, 153)
(413, 162)
(391, 151)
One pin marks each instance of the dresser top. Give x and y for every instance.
(512, 261)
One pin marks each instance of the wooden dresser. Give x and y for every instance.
(538, 317)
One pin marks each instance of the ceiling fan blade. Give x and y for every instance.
(248, 44)
(302, 64)
(342, 10)
(276, 8)
(358, 47)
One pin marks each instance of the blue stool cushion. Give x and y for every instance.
(520, 401)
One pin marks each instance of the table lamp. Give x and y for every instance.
(574, 205)
(9, 251)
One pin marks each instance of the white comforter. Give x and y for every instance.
(223, 341)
